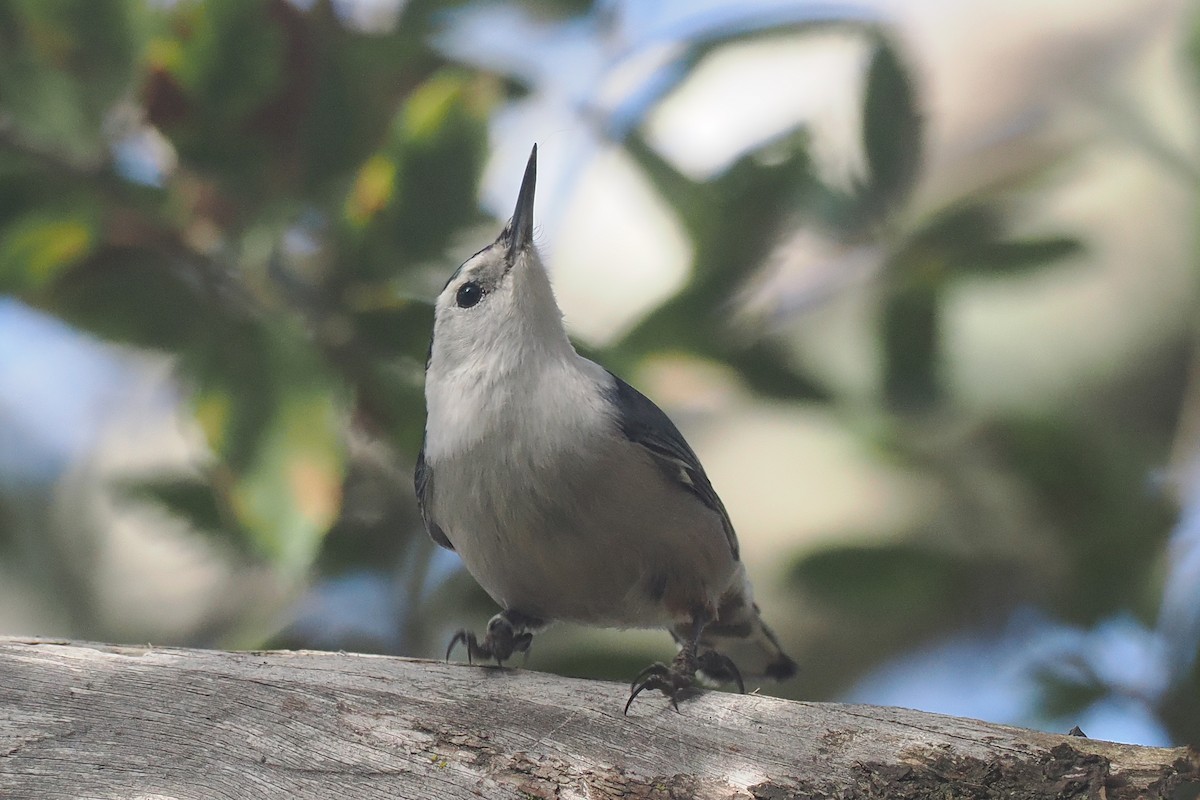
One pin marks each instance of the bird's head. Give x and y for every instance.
(498, 307)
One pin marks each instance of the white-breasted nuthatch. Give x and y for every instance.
(567, 493)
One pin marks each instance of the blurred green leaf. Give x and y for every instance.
(230, 56)
(63, 64)
(1092, 485)
(910, 335)
(213, 78)
(734, 222)
(735, 219)
(848, 215)
(1019, 255)
(967, 238)
(409, 198)
(280, 505)
(956, 231)
(273, 412)
(973, 238)
(1061, 698)
(891, 130)
(170, 305)
(399, 327)
(265, 401)
(289, 497)
(885, 581)
(132, 297)
(1179, 707)
(237, 387)
(38, 247)
(770, 370)
(192, 498)
(374, 188)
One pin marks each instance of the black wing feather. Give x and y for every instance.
(423, 480)
(645, 424)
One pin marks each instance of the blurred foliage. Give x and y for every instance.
(891, 132)
(277, 120)
(64, 64)
(262, 190)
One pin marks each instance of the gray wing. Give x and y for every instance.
(423, 480)
(645, 424)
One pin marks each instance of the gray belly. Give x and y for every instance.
(599, 537)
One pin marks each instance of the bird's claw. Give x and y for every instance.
(500, 643)
(464, 636)
(660, 677)
(678, 679)
(672, 681)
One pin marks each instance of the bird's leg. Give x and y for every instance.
(508, 632)
(679, 677)
(675, 679)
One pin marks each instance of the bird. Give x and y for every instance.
(567, 493)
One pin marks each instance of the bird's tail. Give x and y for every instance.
(740, 633)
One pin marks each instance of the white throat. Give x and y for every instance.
(520, 379)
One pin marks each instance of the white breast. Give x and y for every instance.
(555, 513)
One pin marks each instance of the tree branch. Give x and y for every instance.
(83, 720)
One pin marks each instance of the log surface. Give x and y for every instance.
(104, 721)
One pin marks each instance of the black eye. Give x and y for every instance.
(469, 294)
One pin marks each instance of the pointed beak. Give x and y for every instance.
(521, 226)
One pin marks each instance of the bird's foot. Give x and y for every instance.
(502, 640)
(670, 680)
(678, 679)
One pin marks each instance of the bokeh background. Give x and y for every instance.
(918, 278)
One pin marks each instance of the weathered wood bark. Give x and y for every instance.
(81, 720)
